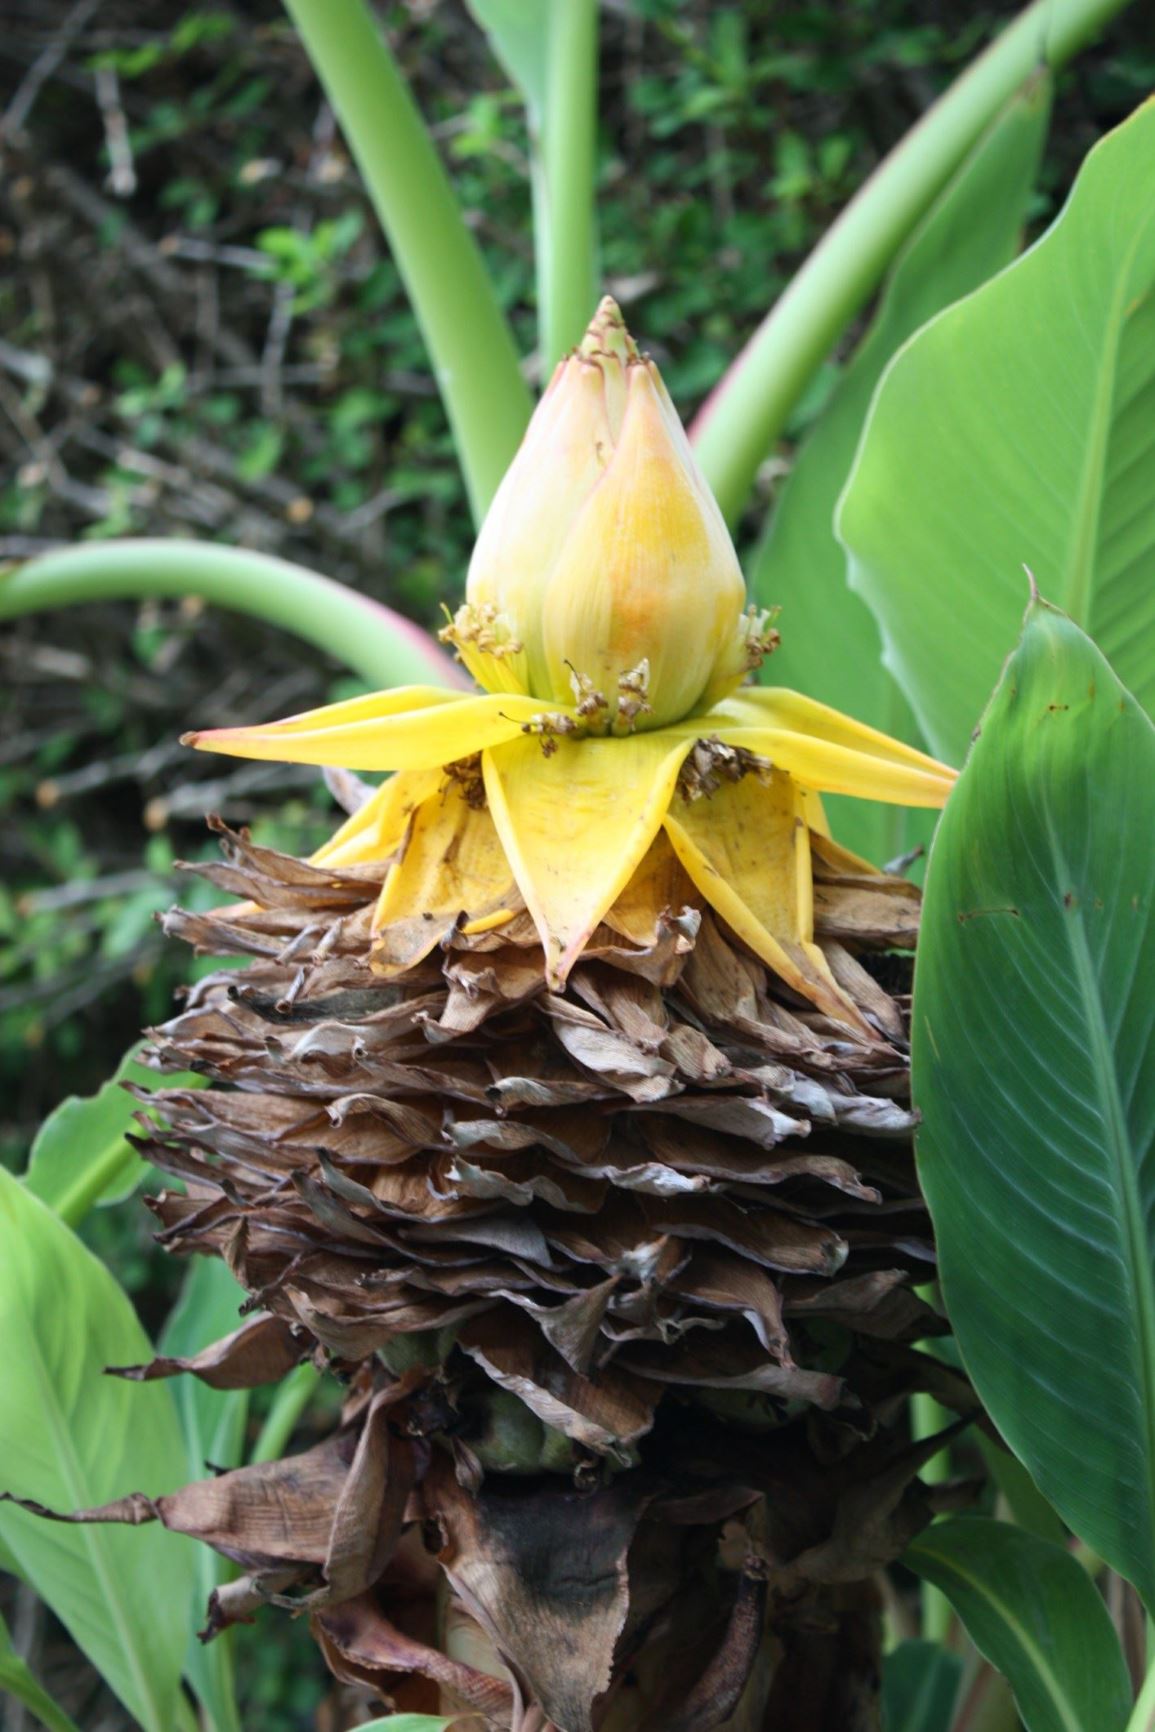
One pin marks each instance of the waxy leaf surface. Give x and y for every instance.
(70, 1437)
(1036, 1615)
(1034, 1072)
(1018, 428)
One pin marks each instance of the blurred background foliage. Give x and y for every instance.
(202, 333)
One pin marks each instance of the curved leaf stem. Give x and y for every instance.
(750, 407)
(566, 202)
(1143, 1714)
(927, 1416)
(290, 1402)
(449, 287)
(381, 646)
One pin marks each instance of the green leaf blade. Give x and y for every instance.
(1036, 1615)
(213, 1423)
(920, 1686)
(415, 1723)
(1015, 429)
(17, 1680)
(1034, 1073)
(80, 1157)
(70, 1437)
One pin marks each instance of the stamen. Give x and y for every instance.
(481, 625)
(633, 697)
(758, 635)
(588, 700)
(550, 726)
(711, 762)
(466, 772)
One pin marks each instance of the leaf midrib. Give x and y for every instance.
(1089, 494)
(924, 1548)
(1129, 1213)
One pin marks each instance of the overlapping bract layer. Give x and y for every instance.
(615, 1272)
(631, 1184)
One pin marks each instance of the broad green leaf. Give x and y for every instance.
(920, 1683)
(1034, 1074)
(17, 1680)
(213, 1423)
(831, 648)
(415, 1723)
(1016, 429)
(70, 1437)
(212, 1420)
(80, 1157)
(1037, 1616)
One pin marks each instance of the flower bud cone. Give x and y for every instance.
(647, 573)
(559, 463)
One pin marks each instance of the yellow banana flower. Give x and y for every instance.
(605, 620)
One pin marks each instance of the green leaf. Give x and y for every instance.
(1037, 1616)
(518, 32)
(70, 1437)
(17, 1680)
(1034, 1074)
(831, 648)
(80, 1157)
(1016, 429)
(213, 1422)
(414, 1723)
(1028, 1507)
(920, 1684)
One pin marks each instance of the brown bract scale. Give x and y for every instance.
(618, 1277)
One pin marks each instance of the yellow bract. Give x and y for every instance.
(452, 861)
(410, 728)
(570, 819)
(575, 826)
(747, 849)
(374, 832)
